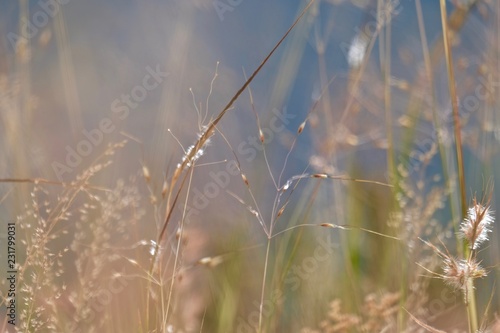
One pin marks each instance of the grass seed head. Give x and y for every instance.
(245, 179)
(476, 225)
(301, 127)
(457, 272)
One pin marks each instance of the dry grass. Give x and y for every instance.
(354, 212)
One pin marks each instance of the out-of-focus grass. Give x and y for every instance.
(282, 235)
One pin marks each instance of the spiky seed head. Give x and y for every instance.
(457, 272)
(476, 225)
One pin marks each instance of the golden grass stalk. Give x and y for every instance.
(470, 302)
(454, 105)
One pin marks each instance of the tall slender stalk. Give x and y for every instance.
(388, 103)
(470, 298)
(263, 291)
(454, 105)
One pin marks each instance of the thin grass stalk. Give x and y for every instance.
(388, 102)
(437, 125)
(381, 45)
(67, 69)
(470, 295)
(391, 164)
(454, 105)
(178, 249)
(160, 238)
(471, 306)
(23, 116)
(263, 291)
(456, 20)
(339, 206)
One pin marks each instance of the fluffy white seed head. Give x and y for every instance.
(476, 225)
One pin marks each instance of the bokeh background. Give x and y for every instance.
(356, 70)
